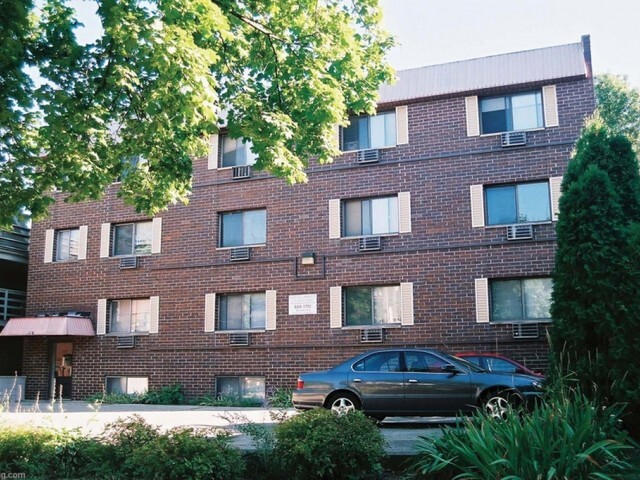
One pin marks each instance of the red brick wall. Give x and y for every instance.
(441, 256)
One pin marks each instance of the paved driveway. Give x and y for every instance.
(401, 434)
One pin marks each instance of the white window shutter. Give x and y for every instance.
(473, 116)
(48, 245)
(82, 242)
(212, 159)
(270, 310)
(482, 300)
(404, 212)
(555, 184)
(477, 206)
(406, 297)
(335, 307)
(334, 218)
(550, 101)
(105, 240)
(402, 125)
(156, 238)
(210, 312)
(101, 320)
(154, 314)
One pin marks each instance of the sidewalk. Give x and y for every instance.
(401, 434)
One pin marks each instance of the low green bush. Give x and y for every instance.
(320, 445)
(129, 448)
(168, 395)
(227, 401)
(280, 398)
(567, 436)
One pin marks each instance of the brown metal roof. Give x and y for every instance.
(49, 326)
(529, 66)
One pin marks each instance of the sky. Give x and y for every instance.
(429, 32)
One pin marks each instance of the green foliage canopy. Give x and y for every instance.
(162, 77)
(619, 106)
(596, 290)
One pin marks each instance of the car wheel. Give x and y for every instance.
(498, 405)
(343, 403)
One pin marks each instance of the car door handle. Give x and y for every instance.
(356, 380)
(412, 380)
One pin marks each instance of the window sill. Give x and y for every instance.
(372, 327)
(502, 225)
(132, 334)
(495, 134)
(521, 322)
(356, 237)
(257, 245)
(232, 166)
(74, 260)
(131, 255)
(386, 147)
(241, 331)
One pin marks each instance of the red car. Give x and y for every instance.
(497, 363)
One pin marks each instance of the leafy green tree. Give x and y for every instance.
(162, 77)
(619, 106)
(595, 301)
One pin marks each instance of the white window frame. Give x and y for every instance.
(517, 203)
(401, 129)
(508, 99)
(114, 305)
(522, 281)
(249, 159)
(337, 307)
(244, 244)
(134, 239)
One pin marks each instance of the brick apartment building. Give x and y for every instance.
(435, 228)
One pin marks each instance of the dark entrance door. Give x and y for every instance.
(62, 369)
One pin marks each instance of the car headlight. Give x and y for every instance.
(537, 385)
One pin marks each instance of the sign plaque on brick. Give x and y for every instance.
(303, 304)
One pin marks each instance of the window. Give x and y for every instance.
(373, 216)
(132, 238)
(128, 385)
(67, 242)
(370, 132)
(243, 228)
(522, 111)
(242, 312)
(520, 300)
(236, 152)
(130, 316)
(522, 203)
(423, 362)
(379, 362)
(240, 387)
(372, 305)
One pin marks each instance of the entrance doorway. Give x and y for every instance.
(62, 369)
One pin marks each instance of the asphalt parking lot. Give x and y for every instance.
(401, 434)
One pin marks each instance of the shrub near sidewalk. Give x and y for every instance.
(320, 445)
(127, 449)
(567, 437)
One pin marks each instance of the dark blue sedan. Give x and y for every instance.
(413, 382)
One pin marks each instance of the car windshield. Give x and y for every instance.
(464, 363)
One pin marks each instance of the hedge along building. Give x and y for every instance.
(435, 227)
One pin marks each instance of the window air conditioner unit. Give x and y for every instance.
(242, 171)
(240, 254)
(525, 330)
(371, 335)
(520, 231)
(513, 139)
(371, 155)
(127, 342)
(369, 244)
(128, 262)
(239, 339)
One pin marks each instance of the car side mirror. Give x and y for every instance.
(448, 368)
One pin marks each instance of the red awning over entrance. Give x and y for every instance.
(49, 326)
